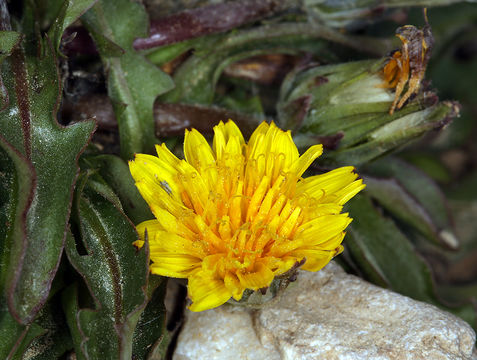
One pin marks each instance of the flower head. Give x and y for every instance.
(234, 216)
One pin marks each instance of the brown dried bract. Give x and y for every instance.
(408, 65)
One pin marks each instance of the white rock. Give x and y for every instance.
(328, 315)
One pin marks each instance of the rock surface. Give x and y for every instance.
(327, 315)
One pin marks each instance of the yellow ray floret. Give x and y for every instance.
(234, 216)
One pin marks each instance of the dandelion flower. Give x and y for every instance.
(235, 216)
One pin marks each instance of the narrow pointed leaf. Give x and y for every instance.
(16, 191)
(45, 155)
(14, 337)
(430, 212)
(392, 196)
(376, 241)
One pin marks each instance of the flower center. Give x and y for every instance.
(251, 208)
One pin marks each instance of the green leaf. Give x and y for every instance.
(16, 185)
(115, 273)
(56, 339)
(29, 129)
(133, 82)
(40, 179)
(464, 189)
(151, 336)
(116, 172)
(412, 197)
(14, 337)
(428, 163)
(392, 196)
(97, 184)
(168, 53)
(8, 41)
(69, 12)
(385, 254)
(69, 300)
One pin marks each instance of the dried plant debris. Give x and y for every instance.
(407, 66)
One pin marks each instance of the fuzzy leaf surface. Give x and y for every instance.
(115, 273)
(29, 129)
(151, 336)
(116, 172)
(133, 82)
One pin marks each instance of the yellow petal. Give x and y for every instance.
(151, 226)
(315, 259)
(315, 232)
(227, 138)
(232, 283)
(163, 241)
(156, 177)
(272, 150)
(323, 228)
(336, 186)
(279, 265)
(305, 160)
(260, 277)
(199, 154)
(207, 293)
(174, 265)
(167, 156)
(256, 138)
(211, 263)
(282, 143)
(170, 223)
(322, 209)
(331, 244)
(348, 192)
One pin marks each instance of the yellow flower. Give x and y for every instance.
(234, 216)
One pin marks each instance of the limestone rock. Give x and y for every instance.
(328, 315)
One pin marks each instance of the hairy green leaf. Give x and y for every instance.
(16, 186)
(115, 273)
(56, 339)
(14, 337)
(133, 82)
(116, 172)
(29, 127)
(151, 336)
